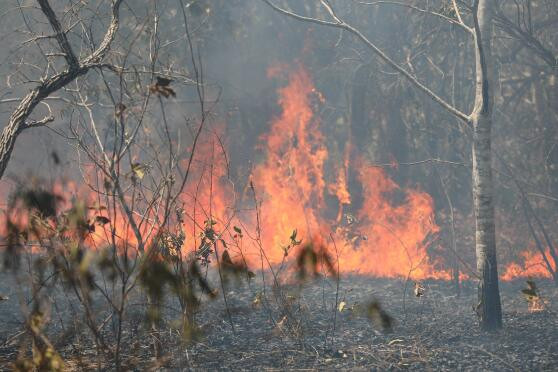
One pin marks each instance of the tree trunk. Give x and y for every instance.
(551, 152)
(489, 307)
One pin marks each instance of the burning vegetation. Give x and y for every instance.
(293, 229)
(387, 235)
(288, 226)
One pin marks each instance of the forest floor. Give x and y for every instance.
(437, 331)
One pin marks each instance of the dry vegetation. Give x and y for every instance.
(205, 228)
(289, 326)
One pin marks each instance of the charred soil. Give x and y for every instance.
(293, 329)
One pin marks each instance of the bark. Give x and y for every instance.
(17, 122)
(551, 150)
(18, 119)
(489, 307)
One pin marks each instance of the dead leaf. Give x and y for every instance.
(531, 290)
(55, 157)
(162, 87)
(226, 258)
(341, 306)
(279, 327)
(101, 220)
(379, 316)
(257, 301)
(119, 109)
(534, 300)
(139, 170)
(419, 289)
(294, 242)
(163, 82)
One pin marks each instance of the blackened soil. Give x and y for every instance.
(301, 328)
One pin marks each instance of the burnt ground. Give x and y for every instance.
(438, 331)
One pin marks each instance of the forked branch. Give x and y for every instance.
(49, 85)
(339, 23)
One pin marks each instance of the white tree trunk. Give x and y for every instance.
(489, 306)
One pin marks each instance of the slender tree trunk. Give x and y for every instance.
(489, 307)
(552, 117)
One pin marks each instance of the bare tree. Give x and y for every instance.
(136, 167)
(50, 83)
(479, 120)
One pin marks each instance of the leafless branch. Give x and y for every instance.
(380, 53)
(458, 22)
(60, 34)
(56, 82)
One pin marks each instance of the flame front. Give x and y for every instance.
(385, 231)
(533, 266)
(381, 238)
(291, 176)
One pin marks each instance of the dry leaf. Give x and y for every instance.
(341, 306)
(163, 82)
(531, 293)
(379, 316)
(101, 220)
(139, 170)
(162, 87)
(119, 109)
(419, 290)
(280, 325)
(257, 301)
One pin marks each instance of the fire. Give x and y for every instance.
(208, 196)
(533, 266)
(71, 200)
(291, 176)
(384, 231)
(396, 236)
(536, 305)
(383, 238)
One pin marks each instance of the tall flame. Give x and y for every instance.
(385, 231)
(383, 238)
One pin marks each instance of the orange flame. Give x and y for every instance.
(387, 235)
(533, 266)
(384, 239)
